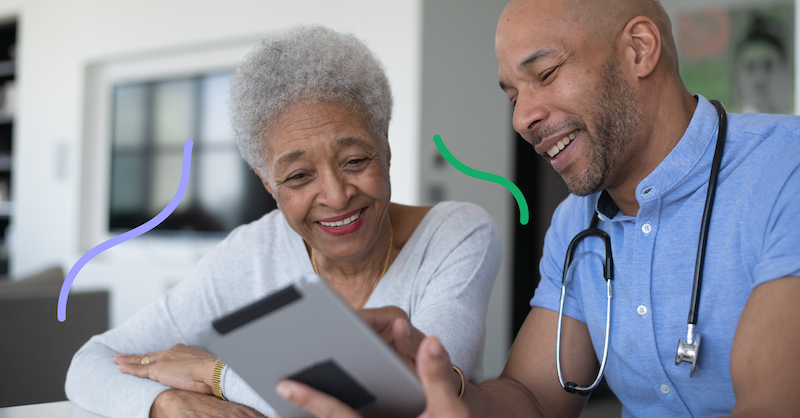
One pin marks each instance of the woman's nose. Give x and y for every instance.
(336, 190)
(528, 112)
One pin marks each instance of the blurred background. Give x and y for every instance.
(97, 98)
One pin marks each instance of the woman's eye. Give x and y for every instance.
(297, 176)
(356, 161)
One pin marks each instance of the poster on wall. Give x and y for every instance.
(742, 56)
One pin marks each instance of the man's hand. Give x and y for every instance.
(184, 367)
(181, 403)
(393, 325)
(434, 370)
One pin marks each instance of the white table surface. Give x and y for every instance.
(65, 409)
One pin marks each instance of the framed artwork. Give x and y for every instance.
(742, 56)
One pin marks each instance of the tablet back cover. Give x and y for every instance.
(307, 333)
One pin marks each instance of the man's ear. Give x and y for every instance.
(642, 42)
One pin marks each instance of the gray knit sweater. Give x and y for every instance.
(442, 278)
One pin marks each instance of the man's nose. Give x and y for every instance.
(528, 112)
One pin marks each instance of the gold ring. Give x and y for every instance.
(146, 359)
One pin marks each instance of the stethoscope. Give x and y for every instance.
(689, 348)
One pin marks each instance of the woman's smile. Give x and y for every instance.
(342, 225)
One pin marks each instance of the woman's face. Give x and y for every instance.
(329, 175)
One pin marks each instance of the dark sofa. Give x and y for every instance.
(35, 348)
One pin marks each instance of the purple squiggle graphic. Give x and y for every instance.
(186, 169)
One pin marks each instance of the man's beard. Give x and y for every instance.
(615, 121)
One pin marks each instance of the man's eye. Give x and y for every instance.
(356, 161)
(297, 176)
(548, 73)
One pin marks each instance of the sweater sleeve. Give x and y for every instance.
(228, 277)
(94, 381)
(465, 251)
(237, 390)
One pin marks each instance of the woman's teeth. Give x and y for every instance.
(552, 152)
(343, 222)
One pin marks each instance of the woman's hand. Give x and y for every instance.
(184, 367)
(434, 370)
(393, 325)
(180, 403)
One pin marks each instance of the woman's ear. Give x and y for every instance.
(642, 42)
(265, 182)
(388, 151)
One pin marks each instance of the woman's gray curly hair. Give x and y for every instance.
(307, 65)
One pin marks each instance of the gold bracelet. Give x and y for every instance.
(463, 381)
(216, 376)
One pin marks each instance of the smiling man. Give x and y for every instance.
(598, 95)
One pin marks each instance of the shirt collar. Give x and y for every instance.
(686, 156)
(606, 207)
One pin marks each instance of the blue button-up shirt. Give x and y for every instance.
(754, 237)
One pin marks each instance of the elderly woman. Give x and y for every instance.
(311, 113)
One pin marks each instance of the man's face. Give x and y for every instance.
(572, 101)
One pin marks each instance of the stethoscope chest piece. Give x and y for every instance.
(689, 349)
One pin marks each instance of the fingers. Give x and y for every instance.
(435, 372)
(406, 340)
(394, 327)
(313, 401)
(135, 369)
(176, 352)
(381, 319)
(136, 358)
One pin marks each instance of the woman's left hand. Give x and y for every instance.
(184, 367)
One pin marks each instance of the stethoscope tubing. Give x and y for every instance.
(566, 278)
(570, 386)
(706, 221)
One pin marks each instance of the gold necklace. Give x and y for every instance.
(385, 263)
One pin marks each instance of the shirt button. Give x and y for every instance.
(646, 228)
(664, 389)
(641, 310)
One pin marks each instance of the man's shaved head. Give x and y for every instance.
(600, 20)
(596, 89)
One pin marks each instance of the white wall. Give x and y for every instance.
(461, 101)
(59, 39)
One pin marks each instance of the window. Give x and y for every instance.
(150, 121)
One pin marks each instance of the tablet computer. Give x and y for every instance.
(306, 332)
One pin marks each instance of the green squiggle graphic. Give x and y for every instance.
(508, 184)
